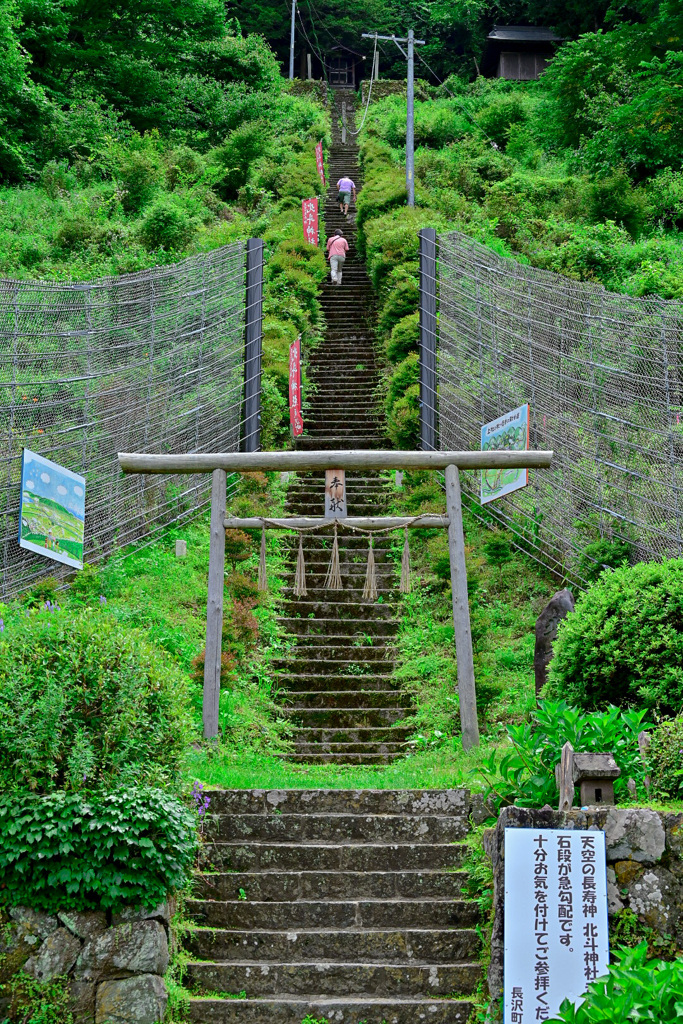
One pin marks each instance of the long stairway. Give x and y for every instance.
(338, 904)
(343, 905)
(338, 673)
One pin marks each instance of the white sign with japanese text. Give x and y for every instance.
(556, 938)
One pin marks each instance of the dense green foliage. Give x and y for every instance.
(525, 775)
(665, 760)
(85, 703)
(623, 644)
(635, 989)
(100, 851)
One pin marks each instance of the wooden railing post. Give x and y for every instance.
(214, 605)
(251, 437)
(428, 339)
(461, 611)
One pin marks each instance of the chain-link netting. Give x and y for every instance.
(602, 373)
(148, 362)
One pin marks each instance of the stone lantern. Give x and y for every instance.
(595, 774)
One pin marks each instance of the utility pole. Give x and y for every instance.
(291, 42)
(411, 42)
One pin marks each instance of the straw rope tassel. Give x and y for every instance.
(370, 589)
(405, 566)
(300, 575)
(262, 577)
(333, 578)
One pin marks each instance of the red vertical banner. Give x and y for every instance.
(295, 417)
(309, 215)
(319, 161)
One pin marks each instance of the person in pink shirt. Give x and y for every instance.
(345, 187)
(337, 248)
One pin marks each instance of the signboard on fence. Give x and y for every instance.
(309, 215)
(507, 433)
(295, 417)
(52, 512)
(319, 161)
(556, 938)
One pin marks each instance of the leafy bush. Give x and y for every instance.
(405, 337)
(141, 178)
(623, 644)
(634, 989)
(666, 758)
(168, 225)
(526, 774)
(601, 554)
(85, 702)
(66, 850)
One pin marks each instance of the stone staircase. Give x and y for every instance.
(338, 673)
(339, 904)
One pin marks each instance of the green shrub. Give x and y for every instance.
(525, 775)
(497, 118)
(68, 850)
(613, 198)
(405, 337)
(140, 178)
(601, 554)
(634, 989)
(168, 226)
(623, 644)
(85, 702)
(403, 422)
(666, 759)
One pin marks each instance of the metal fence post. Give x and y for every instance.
(251, 437)
(428, 339)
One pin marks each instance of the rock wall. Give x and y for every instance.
(644, 866)
(114, 966)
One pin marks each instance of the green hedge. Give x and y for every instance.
(623, 644)
(86, 702)
(129, 847)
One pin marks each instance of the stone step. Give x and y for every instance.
(374, 758)
(345, 718)
(343, 1010)
(334, 885)
(452, 802)
(335, 829)
(348, 698)
(331, 685)
(253, 856)
(352, 946)
(336, 610)
(370, 662)
(240, 914)
(343, 751)
(335, 629)
(334, 979)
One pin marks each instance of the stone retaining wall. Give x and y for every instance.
(644, 866)
(114, 964)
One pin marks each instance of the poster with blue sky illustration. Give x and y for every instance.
(52, 518)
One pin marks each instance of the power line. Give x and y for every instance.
(367, 105)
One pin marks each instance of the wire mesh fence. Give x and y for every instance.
(602, 373)
(150, 362)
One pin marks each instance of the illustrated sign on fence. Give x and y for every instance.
(319, 161)
(507, 433)
(556, 938)
(295, 418)
(52, 514)
(309, 214)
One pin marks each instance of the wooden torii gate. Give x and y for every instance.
(220, 464)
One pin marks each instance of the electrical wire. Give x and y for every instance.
(367, 105)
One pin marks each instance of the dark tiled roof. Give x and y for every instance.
(523, 34)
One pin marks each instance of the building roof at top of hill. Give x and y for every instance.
(523, 34)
